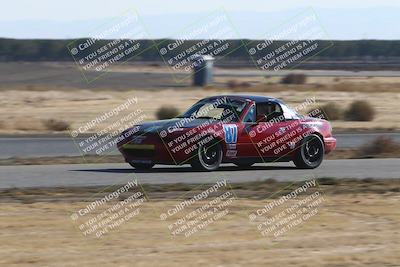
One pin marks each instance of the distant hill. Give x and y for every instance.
(56, 50)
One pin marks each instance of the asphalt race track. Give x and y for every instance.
(109, 174)
(26, 147)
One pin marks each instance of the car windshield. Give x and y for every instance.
(219, 109)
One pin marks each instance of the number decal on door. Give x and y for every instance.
(231, 132)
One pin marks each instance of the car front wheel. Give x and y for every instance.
(208, 157)
(310, 153)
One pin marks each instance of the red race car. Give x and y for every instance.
(239, 129)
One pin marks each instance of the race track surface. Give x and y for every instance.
(64, 146)
(109, 174)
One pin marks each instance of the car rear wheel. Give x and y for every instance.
(310, 153)
(141, 166)
(208, 157)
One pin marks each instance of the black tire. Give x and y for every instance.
(208, 157)
(141, 166)
(310, 153)
(244, 165)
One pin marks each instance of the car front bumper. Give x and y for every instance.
(151, 150)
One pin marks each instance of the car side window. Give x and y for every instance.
(251, 115)
(270, 110)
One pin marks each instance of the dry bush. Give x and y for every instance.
(232, 84)
(328, 181)
(56, 125)
(294, 78)
(167, 112)
(236, 84)
(381, 145)
(330, 111)
(360, 110)
(154, 64)
(245, 84)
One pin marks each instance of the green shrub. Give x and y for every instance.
(360, 110)
(167, 112)
(294, 78)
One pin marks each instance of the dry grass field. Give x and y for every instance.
(357, 225)
(32, 93)
(25, 111)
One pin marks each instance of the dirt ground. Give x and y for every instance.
(351, 228)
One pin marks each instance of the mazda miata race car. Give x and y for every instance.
(239, 129)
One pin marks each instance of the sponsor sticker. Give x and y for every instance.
(230, 131)
(231, 153)
(231, 146)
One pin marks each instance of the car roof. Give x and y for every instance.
(255, 98)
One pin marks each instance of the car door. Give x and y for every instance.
(245, 146)
(268, 134)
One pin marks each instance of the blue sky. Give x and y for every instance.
(343, 19)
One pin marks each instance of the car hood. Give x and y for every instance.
(157, 126)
